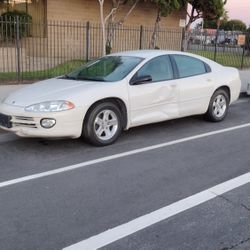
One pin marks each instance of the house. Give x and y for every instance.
(86, 10)
(64, 30)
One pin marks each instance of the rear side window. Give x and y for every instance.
(189, 66)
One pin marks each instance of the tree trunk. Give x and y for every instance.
(114, 24)
(110, 34)
(154, 36)
(187, 37)
(103, 28)
(187, 34)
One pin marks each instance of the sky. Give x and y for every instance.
(239, 9)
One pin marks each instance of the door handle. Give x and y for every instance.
(173, 85)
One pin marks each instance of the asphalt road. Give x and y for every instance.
(54, 207)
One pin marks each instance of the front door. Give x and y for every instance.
(155, 100)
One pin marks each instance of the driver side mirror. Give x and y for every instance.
(141, 80)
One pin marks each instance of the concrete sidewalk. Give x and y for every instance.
(245, 79)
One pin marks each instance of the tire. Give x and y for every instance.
(103, 124)
(218, 106)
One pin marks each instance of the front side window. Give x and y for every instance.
(159, 68)
(107, 69)
(189, 66)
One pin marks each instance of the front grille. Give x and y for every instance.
(27, 125)
(5, 121)
(23, 121)
(23, 118)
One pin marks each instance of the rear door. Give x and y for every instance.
(195, 82)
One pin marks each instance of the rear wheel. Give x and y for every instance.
(102, 125)
(218, 106)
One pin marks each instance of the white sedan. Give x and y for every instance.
(119, 91)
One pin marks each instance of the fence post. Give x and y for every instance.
(205, 45)
(242, 58)
(183, 37)
(215, 47)
(87, 40)
(17, 22)
(141, 37)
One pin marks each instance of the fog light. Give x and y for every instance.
(48, 123)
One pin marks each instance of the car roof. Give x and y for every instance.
(148, 54)
(145, 53)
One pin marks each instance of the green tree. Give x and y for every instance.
(213, 23)
(206, 9)
(110, 18)
(9, 25)
(164, 8)
(210, 24)
(113, 21)
(234, 24)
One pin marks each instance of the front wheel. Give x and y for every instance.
(102, 125)
(218, 106)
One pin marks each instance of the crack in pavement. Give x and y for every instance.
(242, 205)
(236, 245)
(246, 207)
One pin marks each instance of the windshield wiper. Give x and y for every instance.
(90, 79)
(68, 77)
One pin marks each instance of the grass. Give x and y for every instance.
(226, 59)
(60, 69)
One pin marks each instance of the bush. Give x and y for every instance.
(8, 24)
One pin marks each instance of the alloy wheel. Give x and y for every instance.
(219, 106)
(105, 124)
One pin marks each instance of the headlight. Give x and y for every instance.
(51, 106)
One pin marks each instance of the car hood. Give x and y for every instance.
(48, 90)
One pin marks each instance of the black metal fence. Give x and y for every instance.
(32, 51)
(229, 48)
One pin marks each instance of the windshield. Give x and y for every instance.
(107, 69)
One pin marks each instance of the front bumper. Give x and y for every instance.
(27, 124)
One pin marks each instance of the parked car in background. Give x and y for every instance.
(120, 91)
